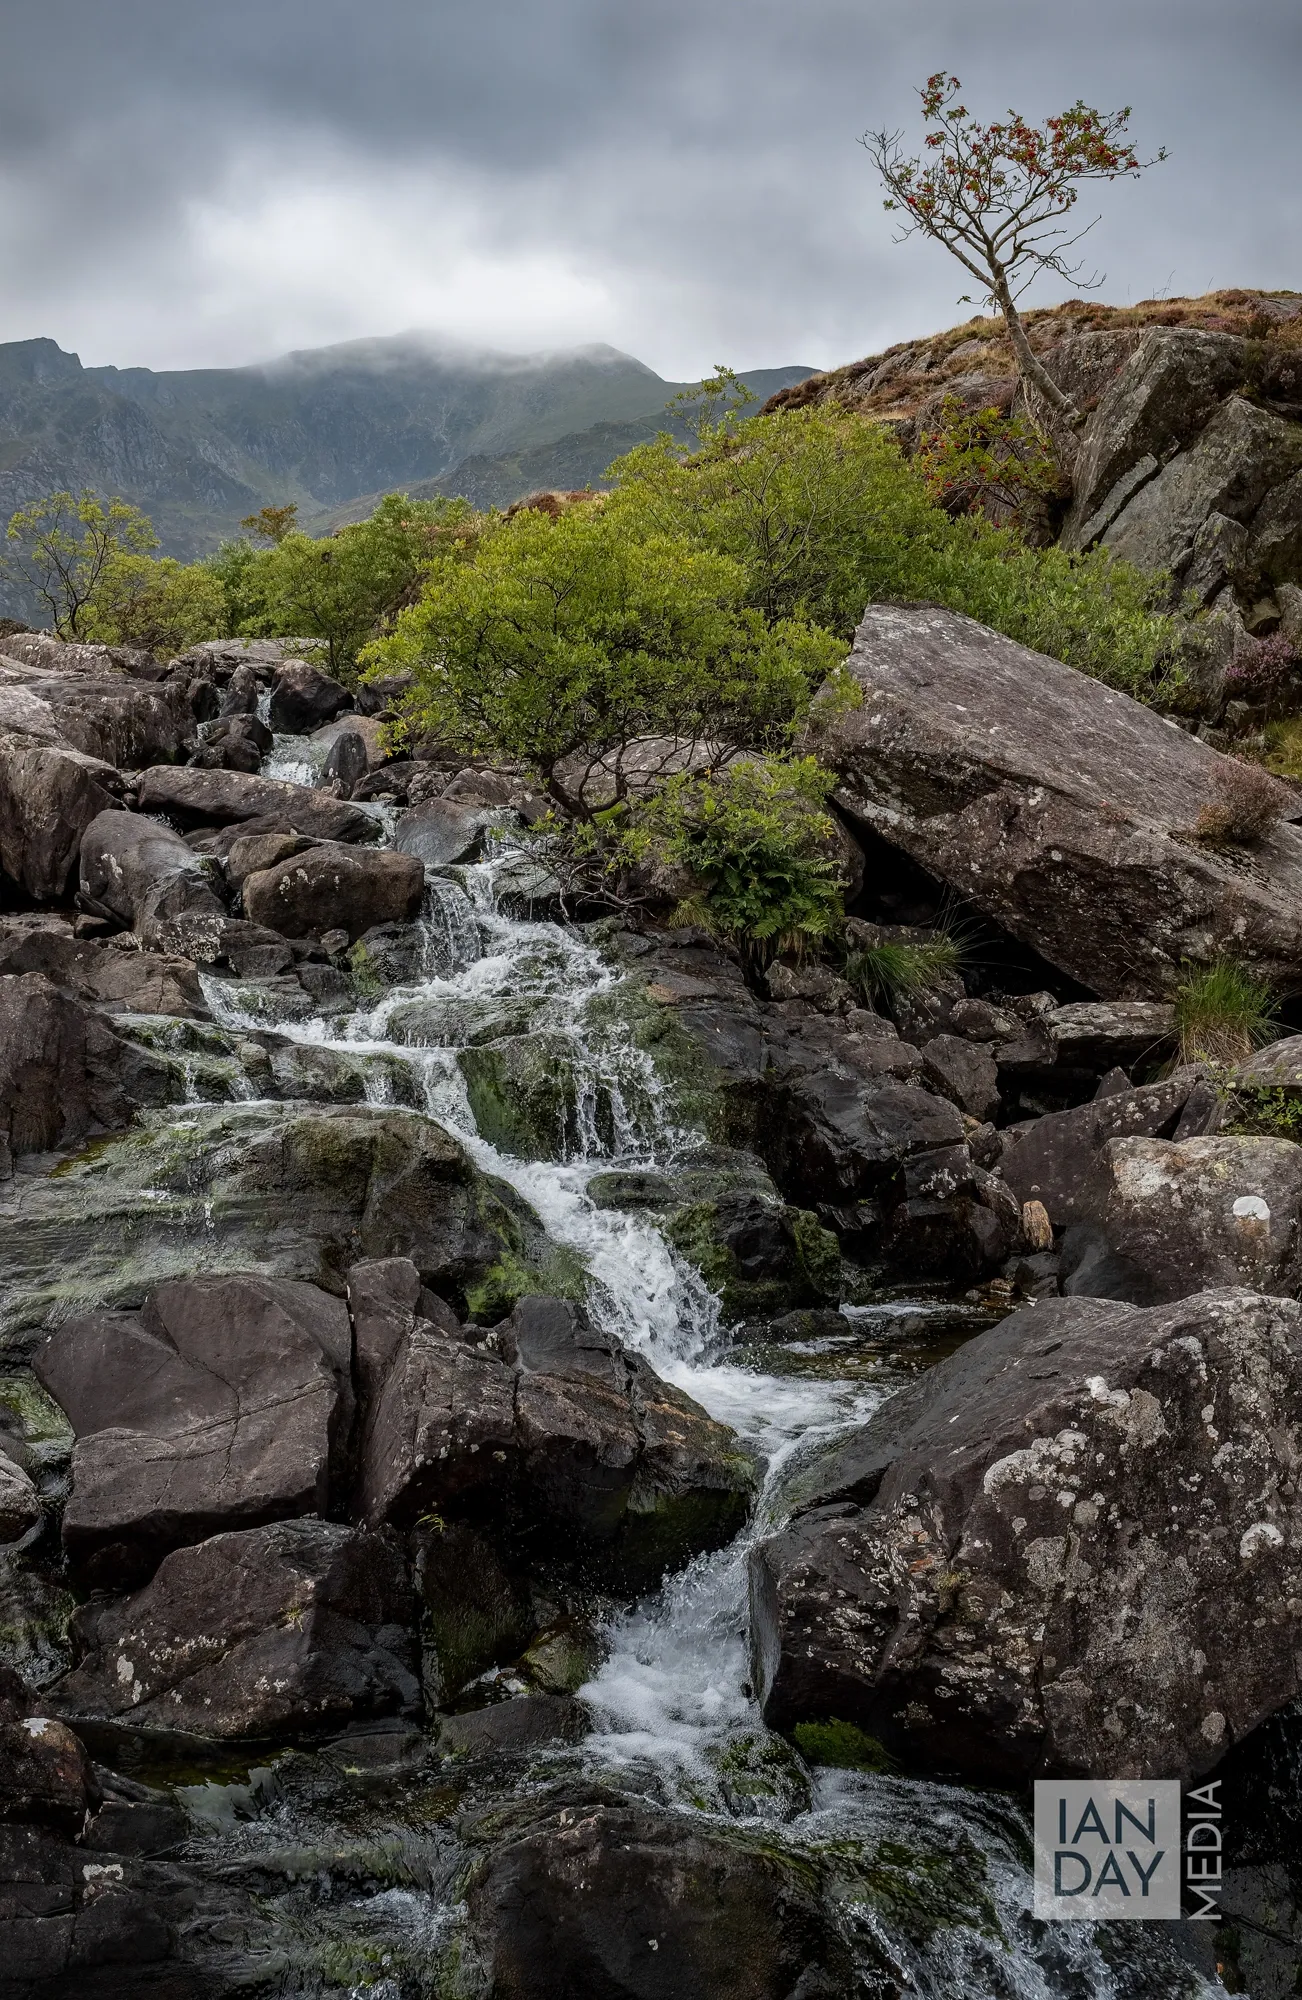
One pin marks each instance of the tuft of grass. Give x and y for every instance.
(889, 972)
(1223, 1013)
(1248, 803)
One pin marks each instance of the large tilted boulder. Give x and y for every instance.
(112, 980)
(1058, 806)
(564, 1436)
(222, 1403)
(442, 830)
(333, 887)
(195, 798)
(1055, 1160)
(142, 873)
(1075, 1545)
(601, 1895)
(303, 1625)
(48, 797)
(126, 723)
(276, 1190)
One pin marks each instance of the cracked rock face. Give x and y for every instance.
(1075, 1546)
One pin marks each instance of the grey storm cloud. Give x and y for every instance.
(194, 183)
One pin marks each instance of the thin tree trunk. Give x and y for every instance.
(1063, 414)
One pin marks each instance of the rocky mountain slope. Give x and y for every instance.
(1191, 453)
(197, 449)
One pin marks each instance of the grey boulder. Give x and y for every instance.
(302, 1625)
(567, 1439)
(302, 697)
(196, 798)
(49, 795)
(222, 1403)
(142, 873)
(443, 831)
(1073, 1546)
(333, 887)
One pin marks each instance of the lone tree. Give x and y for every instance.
(1000, 198)
(61, 547)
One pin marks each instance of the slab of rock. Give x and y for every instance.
(1101, 1035)
(1058, 806)
(333, 887)
(302, 1625)
(256, 851)
(442, 831)
(1055, 1159)
(48, 797)
(126, 723)
(574, 1902)
(1074, 1546)
(113, 980)
(386, 1300)
(223, 1403)
(143, 874)
(302, 697)
(1276, 1067)
(196, 798)
(1168, 1218)
(275, 1190)
(524, 1722)
(561, 1434)
(62, 1070)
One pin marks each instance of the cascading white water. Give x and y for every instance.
(671, 1703)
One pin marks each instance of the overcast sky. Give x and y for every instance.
(198, 182)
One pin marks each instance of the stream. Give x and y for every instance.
(946, 1909)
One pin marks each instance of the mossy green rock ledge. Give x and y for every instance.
(279, 1190)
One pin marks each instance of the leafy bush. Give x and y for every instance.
(894, 971)
(558, 635)
(343, 588)
(1222, 1013)
(1262, 668)
(756, 842)
(983, 462)
(160, 604)
(60, 547)
(825, 515)
(1264, 1112)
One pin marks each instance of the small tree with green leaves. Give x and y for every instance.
(1001, 198)
(272, 524)
(569, 636)
(157, 603)
(60, 548)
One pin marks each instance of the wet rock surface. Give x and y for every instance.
(1025, 1562)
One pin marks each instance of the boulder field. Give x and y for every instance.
(333, 1456)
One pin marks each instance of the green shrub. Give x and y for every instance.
(1222, 1013)
(157, 603)
(757, 841)
(1266, 1112)
(825, 515)
(896, 971)
(569, 635)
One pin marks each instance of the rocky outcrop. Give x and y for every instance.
(1056, 805)
(195, 798)
(270, 1190)
(1167, 1219)
(1056, 1160)
(303, 1625)
(443, 831)
(63, 1073)
(1070, 1547)
(110, 979)
(302, 697)
(569, 1439)
(333, 887)
(223, 1403)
